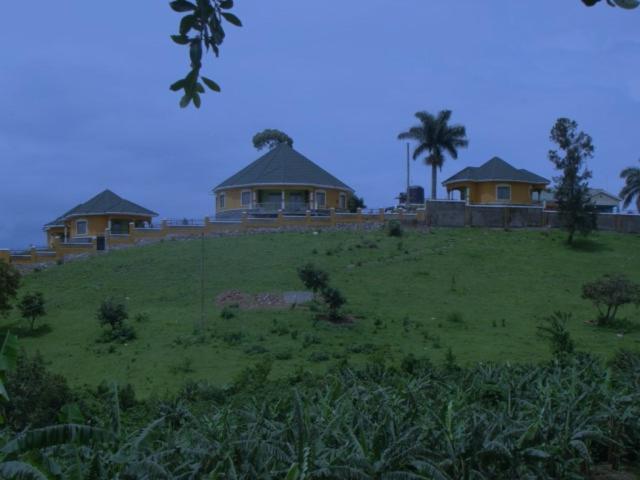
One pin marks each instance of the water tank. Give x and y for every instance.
(416, 194)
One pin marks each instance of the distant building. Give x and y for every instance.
(604, 201)
(282, 179)
(496, 182)
(93, 219)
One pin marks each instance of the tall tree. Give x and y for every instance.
(9, 284)
(577, 212)
(271, 138)
(631, 189)
(435, 137)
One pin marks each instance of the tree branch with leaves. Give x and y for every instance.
(201, 30)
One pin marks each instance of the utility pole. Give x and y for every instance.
(200, 325)
(408, 174)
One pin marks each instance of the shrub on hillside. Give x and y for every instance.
(9, 284)
(113, 315)
(394, 229)
(36, 395)
(609, 293)
(313, 278)
(335, 301)
(32, 307)
(554, 329)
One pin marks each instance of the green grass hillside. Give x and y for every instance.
(479, 292)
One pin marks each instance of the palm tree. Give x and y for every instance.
(436, 137)
(631, 187)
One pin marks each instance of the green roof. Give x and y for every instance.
(283, 166)
(105, 203)
(495, 169)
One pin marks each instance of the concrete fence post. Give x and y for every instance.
(467, 215)
(359, 213)
(332, 215)
(34, 254)
(164, 225)
(307, 217)
(5, 255)
(280, 220)
(381, 215)
(421, 215)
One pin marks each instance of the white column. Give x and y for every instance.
(312, 199)
(282, 202)
(254, 198)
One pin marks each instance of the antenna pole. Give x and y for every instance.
(408, 174)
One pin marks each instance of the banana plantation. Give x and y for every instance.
(571, 418)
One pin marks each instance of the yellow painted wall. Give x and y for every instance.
(233, 196)
(485, 192)
(97, 224)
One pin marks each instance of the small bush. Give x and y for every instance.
(285, 355)
(318, 357)
(455, 317)
(233, 338)
(394, 229)
(334, 300)
(253, 379)
(310, 339)
(367, 348)
(184, 366)
(554, 330)
(313, 278)
(609, 293)
(32, 307)
(141, 317)
(229, 312)
(255, 350)
(414, 365)
(112, 314)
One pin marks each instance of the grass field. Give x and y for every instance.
(403, 292)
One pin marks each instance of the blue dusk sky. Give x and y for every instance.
(85, 104)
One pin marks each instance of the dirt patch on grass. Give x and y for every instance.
(250, 301)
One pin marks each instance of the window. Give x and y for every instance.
(343, 201)
(245, 198)
(81, 227)
(321, 199)
(503, 192)
(221, 200)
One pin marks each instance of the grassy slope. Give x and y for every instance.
(516, 276)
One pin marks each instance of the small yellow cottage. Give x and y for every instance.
(282, 179)
(104, 214)
(496, 182)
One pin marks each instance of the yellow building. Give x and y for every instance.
(496, 182)
(281, 180)
(104, 215)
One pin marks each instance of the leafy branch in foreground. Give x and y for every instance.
(201, 30)
(628, 4)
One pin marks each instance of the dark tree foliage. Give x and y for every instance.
(201, 29)
(577, 212)
(32, 307)
(112, 313)
(609, 293)
(9, 284)
(271, 138)
(313, 278)
(631, 189)
(355, 202)
(36, 395)
(203, 20)
(554, 329)
(628, 4)
(335, 301)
